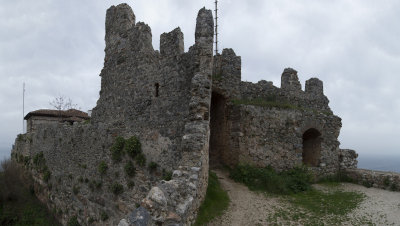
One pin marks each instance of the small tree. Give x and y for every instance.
(62, 103)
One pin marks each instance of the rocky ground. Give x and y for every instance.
(379, 207)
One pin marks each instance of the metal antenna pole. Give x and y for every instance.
(216, 27)
(23, 107)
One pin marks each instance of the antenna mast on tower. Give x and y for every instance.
(23, 107)
(216, 27)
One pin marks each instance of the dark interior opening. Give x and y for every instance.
(157, 87)
(311, 147)
(219, 135)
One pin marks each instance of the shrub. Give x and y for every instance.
(102, 168)
(39, 160)
(117, 188)
(130, 170)
(75, 189)
(166, 175)
(73, 221)
(153, 166)
(103, 216)
(117, 149)
(46, 175)
(267, 179)
(141, 159)
(386, 181)
(133, 146)
(131, 184)
(394, 187)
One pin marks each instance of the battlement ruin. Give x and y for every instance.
(189, 110)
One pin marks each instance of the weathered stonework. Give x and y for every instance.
(189, 110)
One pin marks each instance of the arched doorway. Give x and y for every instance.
(218, 130)
(311, 147)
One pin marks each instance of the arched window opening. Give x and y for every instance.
(311, 147)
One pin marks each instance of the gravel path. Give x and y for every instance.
(380, 207)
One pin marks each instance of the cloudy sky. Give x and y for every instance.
(56, 48)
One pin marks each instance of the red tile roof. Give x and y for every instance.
(71, 113)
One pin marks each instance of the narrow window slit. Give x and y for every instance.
(157, 87)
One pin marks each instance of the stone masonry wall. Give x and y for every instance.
(163, 98)
(377, 179)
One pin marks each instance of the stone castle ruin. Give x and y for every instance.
(188, 111)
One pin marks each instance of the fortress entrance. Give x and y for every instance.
(311, 147)
(219, 135)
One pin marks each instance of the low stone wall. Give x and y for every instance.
(377, 179)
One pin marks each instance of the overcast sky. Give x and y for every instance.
(57, 48)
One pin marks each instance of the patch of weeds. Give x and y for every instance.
(386, 181)
(102, 168)
(133, 147)
(75, 189)
(153, 166)
(166, 175)
(117, 188)
(46, 175)
(217, 77)
(215, 202)
(267, 179)
(117, 149)
(70, 176)
(129, 168)
(39, 160)
(394, 187)
(131, 184)
(140, 159)
(20, 137)
(86, 180)
(80, 179)
(73, 221)
(103, 216)
(263, 102)
(367, 183)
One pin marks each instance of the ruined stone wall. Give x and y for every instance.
(290, 92)
(163, 98)
(273, 136)
(376, 179)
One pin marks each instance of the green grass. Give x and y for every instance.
(315, 207)
(322, 203)
(215, 202)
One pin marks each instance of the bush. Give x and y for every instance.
(117, 149)
(130, 170)
(166, 175)
(39, 160)
(117, 188)
(141, 159)
(267, 179)
(102, 168)
(46, 175)
(131, 184)
(153, 166)
(73, 221)
(133, 147)
(75, 189)
(103, 216)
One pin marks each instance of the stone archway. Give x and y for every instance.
(311, 147)
(219, 135)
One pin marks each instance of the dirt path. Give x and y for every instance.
(246, 207)
(380, 207)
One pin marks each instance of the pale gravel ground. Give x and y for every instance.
(380, 207)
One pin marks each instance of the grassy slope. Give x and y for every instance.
(18, 206)
(215, 202)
